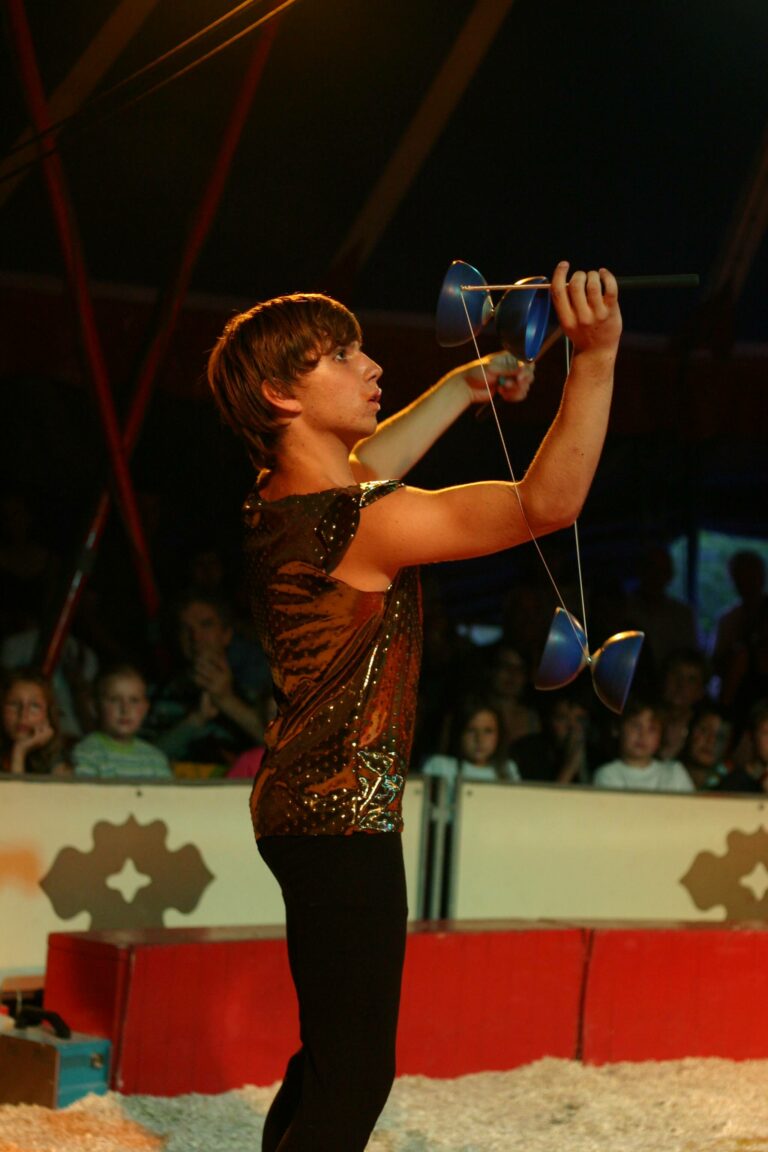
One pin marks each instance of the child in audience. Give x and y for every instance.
(479, 750)
(114, 751)
(703, 756)
(749, 772)
(30, 736)
(566, 750)
(640, 730)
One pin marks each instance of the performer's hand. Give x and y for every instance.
(587, 307)
(507, 377)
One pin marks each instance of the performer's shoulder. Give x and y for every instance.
(371, 490)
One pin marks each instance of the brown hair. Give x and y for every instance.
(275, 342)
(468, 708)
(634, 706)
(39, 760)
(111, 672)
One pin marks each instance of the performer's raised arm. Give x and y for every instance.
(400, 441)
(417, 527)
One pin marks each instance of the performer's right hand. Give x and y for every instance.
(587, 307)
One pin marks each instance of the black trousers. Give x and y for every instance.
(346, 914)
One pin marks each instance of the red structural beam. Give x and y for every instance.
(78, 280)
(165, 319)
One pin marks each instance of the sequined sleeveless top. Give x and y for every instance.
(345, 667)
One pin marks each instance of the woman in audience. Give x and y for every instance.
(510, 692)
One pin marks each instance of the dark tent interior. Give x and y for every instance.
(376, 145)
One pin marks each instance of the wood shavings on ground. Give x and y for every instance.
(549, 1106)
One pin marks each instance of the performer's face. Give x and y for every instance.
(341, 394)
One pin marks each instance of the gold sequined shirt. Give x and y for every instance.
(345, 666)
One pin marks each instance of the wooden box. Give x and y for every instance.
(37, 1067)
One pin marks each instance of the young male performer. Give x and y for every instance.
(333, 545)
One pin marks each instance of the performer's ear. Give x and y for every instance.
(283, 403)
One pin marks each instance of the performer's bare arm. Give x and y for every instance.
(415, 527)
(400, 441)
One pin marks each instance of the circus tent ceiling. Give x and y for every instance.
(386, 140)
(382, 142)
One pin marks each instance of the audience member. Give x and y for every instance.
(210, 583)
(30, 737)
(563, 751)
(248, 763)
(206, 713)
(511, 693)
(703, 755)
(683, 687)
(636, 766)
(210, 569)
(478, 748)
(449, 670)
(668, 623)
(73, 677)
(744, 678)
(736, 626)
(114, 750)
(750, 772)
(530, 603)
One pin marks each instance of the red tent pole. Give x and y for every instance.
(170, 304)
(166, 317)
(78, 280)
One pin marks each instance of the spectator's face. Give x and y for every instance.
(683, 685)
(201, 630)
(25, 709)
(707, 741)
(639, 738)
(509, 673)
(122, 706)
(480, 737)
(567, 719)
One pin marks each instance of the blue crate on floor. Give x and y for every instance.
(37, 1067)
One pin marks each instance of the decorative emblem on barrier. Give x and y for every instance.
(738, 880)
(129, 879)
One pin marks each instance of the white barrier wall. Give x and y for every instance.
(529, 852)
(76, 856)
